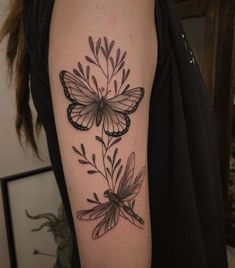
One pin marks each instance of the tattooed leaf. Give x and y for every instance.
(106, 44)
(115, 86)
(127, 74)
(116, 141)
(107, 169)
(76, 150)
(123, 56)
(117, 56)
(100, 140)
(120, 67)
(123, 75)
(110, 47)
(118, 163)
(115, 154)
(93, 158)
(133, 203)
(87, 72)
(104, 52)
(92, 171)
(96, 197)
(80, 68)
(90, 60)
(110, 160)
(95, 81)
(83, 149)
(112, 62)
(126, 88)
(119, 172)
(98, 46)
(77, 73)
(91, 201)
(91, 43)
(83, 161)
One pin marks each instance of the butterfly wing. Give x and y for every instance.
(128, 101)
(116, 120)
(82, 117)
(129, 186)
(108, 222)
(75, 90)
(115, 124)
(94, 213)
(82, 111)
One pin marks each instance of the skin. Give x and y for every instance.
(131, 25)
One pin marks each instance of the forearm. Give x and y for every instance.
(111, 37)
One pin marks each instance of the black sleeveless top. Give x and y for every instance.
(185, 188)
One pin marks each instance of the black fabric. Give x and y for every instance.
(185, 189)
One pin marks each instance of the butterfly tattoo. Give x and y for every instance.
(91, 104)
(120, 203)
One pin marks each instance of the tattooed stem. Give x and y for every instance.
(93, 165)
(107, 86)
(99, 65)
(87, 161)
(104, 150)
(109, 140)
(102, 70)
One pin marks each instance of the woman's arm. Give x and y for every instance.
(102, 60)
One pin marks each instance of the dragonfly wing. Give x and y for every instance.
(125, 183)
(134, 187)
(107, 223)
(94, 213)
(129, 186)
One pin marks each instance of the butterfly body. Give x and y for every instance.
(114, 198)
(100, 110)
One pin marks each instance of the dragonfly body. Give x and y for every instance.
(131, 212)
(115, 199)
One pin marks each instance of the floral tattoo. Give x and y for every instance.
(107, 107)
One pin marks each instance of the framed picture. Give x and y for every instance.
(38, 233)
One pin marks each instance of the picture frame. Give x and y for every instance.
(36, 226)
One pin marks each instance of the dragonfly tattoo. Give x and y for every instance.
(119, 202)
(107, 106)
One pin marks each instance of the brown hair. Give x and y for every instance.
(18, 67)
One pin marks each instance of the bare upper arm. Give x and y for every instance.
(102, 60)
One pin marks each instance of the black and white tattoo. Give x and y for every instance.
(108, 106)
